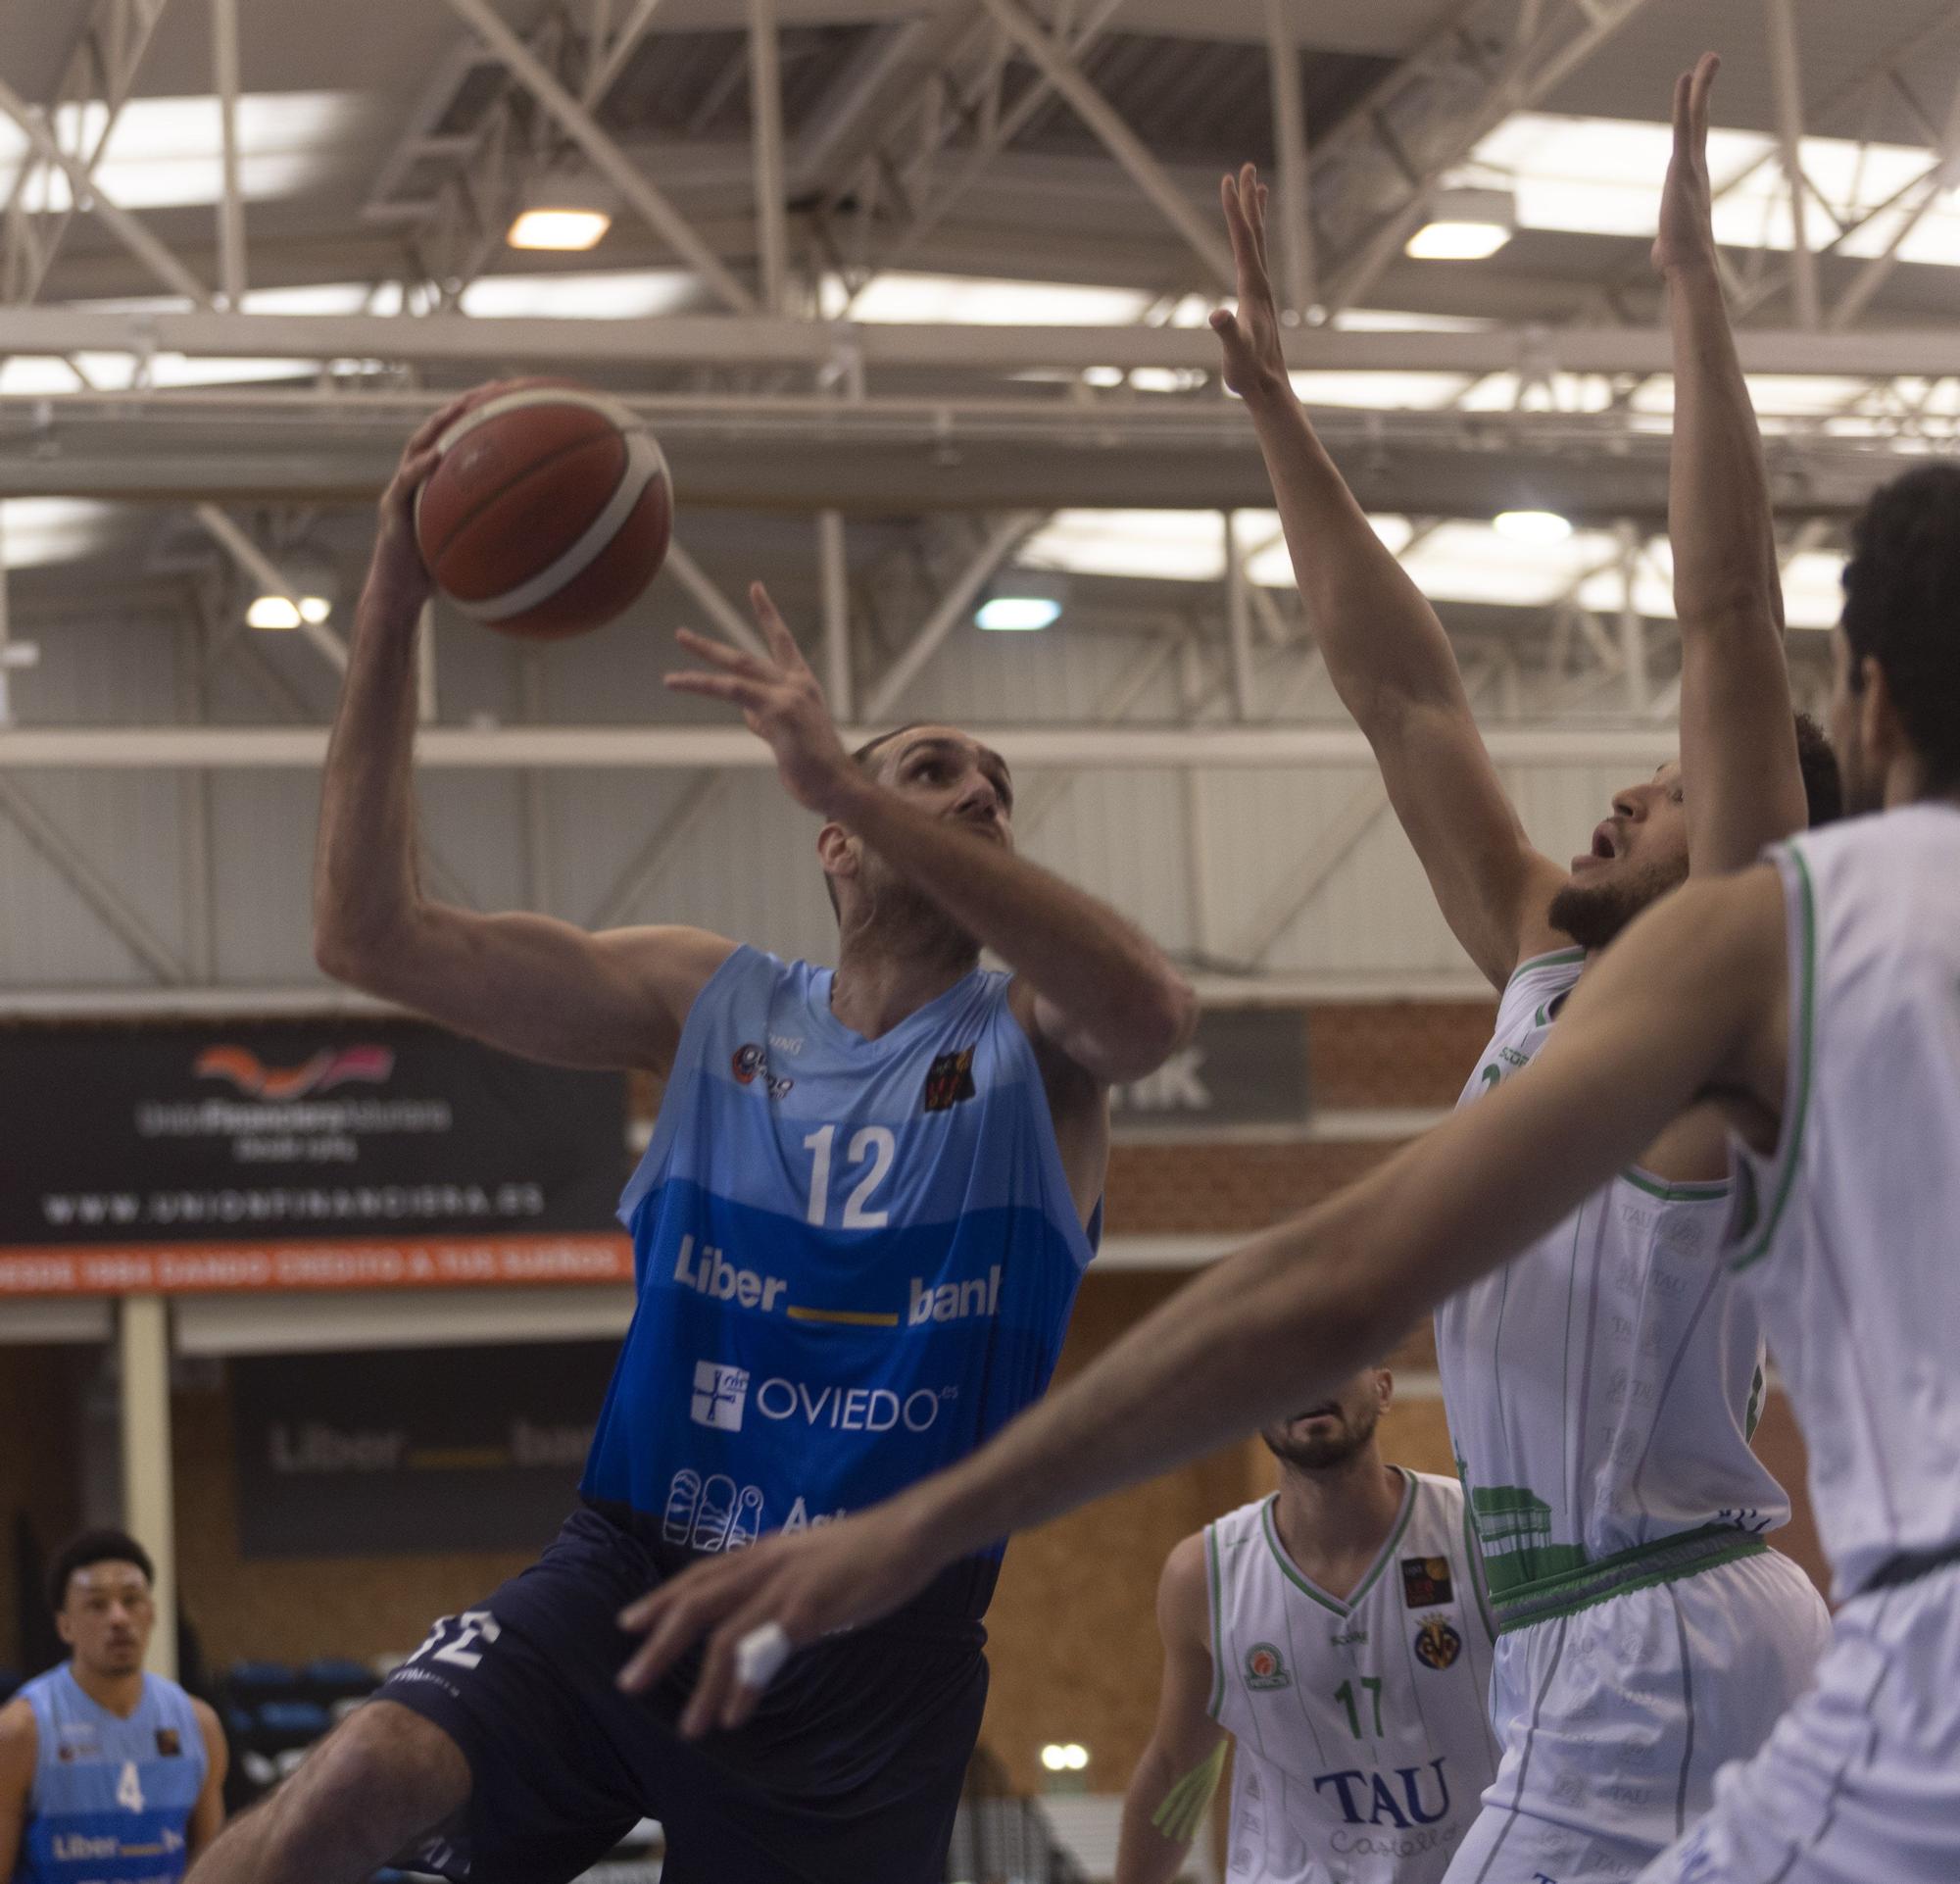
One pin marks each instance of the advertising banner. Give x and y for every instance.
(391, 1451)
(330, 1154)
(1244, 1067)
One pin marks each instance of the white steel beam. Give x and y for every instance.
(1056, 64)
(125, 228)
(583, 129)
(695, 747)
(736, 341)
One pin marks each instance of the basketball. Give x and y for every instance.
(549, 511)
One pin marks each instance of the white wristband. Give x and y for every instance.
(760, 1654)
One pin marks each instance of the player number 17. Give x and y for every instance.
(1344, 1694)
(875, 1145)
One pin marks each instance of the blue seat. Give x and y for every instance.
(251, 1682)
(287, 1723)
(336, 1678)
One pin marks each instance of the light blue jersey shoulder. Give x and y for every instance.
(112, 1798)
(856, 1258)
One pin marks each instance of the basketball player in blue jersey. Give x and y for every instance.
(108, 1775)
(859, 1229)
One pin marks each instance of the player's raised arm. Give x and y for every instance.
(1172, 1788)
(529, 983)
(1099, 990)
(1741, 781)
(1386, 652)
(1690, 1000)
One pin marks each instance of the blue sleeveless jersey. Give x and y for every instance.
(112, 1798)
(856, 1260)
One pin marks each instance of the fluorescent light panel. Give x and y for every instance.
(623, 294)
(1017, 614)
(984, 301)
(563, 230)
(36, 530)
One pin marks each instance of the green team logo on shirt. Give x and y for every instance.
(1265, 1668)
(1514, 1534)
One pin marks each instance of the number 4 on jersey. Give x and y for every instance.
(130, 1788)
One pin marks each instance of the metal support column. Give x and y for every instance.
(1237, 619)
(765, 117)
(1632, 629)
(832, 576)
(1295, 216)
(1786, 84)
(231, 196)
(149, 1506)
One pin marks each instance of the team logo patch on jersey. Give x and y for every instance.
(1437, 1644)
(747, 1061)
(948, 1080)
(1265, 1668)
(1426, 1582)
(168, 1743)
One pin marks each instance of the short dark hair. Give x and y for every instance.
(95, 1547)
(1901, 596)
(863, 759)
(1823, 783)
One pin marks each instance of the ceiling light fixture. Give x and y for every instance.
(1465, 225)
(562, 213)
(1017, 614)
(283, 612)
(1540, 527)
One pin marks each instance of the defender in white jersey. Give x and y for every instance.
(1336, 1632)
(1817, 1003)
(1602, 1392)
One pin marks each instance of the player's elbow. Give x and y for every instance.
(362, 954)
(1156, 1020)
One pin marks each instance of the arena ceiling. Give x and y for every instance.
(914, 297)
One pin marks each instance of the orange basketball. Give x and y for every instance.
(549, 511)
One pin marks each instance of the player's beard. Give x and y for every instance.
(1594, 913)
(1317, 1455)
(910, 924)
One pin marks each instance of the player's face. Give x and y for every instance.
(1330, 1431)
(1638, 855)
(950, 775)
(106, 1617)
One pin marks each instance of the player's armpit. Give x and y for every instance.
(539, 987)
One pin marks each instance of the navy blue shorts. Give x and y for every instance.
(847, 1772)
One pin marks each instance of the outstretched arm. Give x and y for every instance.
(1691, 1000)
(1741, 783)
(1386, 652)
(1171, 1789)
(1102, 993)
(529, 983)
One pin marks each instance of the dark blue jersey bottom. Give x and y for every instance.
(849, 1771)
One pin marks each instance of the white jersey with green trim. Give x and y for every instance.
(1602, 1388)
(1847, 1238)
(1363, 1728)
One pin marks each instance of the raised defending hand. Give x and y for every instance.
(1686, 238)
(780, 699)
(1255, 363)
(777, 1596)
